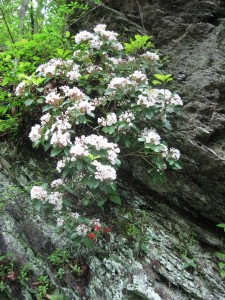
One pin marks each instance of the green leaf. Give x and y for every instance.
(221, 265)
(127, 141)
(47, 146)
(221, 225)
(47, 107)
(37, 205)
(55, 152)
(87, 242)
(177, 165)
(149, 114)
(67, 34)
(28, 102)
(79, 165)
(155, 82)
(222, 273)
(60, 52)
(115, 198)
(67, 202)
(109, 129)
(220, 255)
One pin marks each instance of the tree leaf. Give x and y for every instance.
(28, 102)
(55, 152)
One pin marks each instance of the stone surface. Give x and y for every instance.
(149, 256)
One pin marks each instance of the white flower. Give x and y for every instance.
(150, 136)
(37, 192)
(20, 88)
(35, 134)
(75, 215)
(95, 43)
(83, 36)
(110, 119)
(60, 221)
(127, 116)
(73, 94)
(60, 139)
(174, 153)
(83, 229)
(53, 99)
(56, 199)
(57, 183)
(150, 56)
(100, 28)
(78, 150)
(104, 172)
(139, 77)
(45, 119)
(60, 165)
(119, 82)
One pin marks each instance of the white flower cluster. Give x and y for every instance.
(61, 164)
(109, 120)
(127, 116)
(150, 56)
(139, 77)
(96, 43)
(72, 93)
(104, 172)
(60, 136)
(20, 88)
(93, 69)
(98, 38)
(45, 119)
(150, 136)
(57, 183)
(108, 35)
(37, 192)
(83, 36)
(74, 74)
(75, 215)
(35, 134)
(55, 198)
(171, 153)
(54, 67)
(78, 150)
(83, 229)
(53, 99)
(82, 106)
(119, 83)
(161, 96)
(98, 142)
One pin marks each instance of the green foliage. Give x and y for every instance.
(190, 262)
(22, 51)
(161, 79)
(60, 272)
(77, 270)
(139, 44)
(24, 273)
(59, 257)
(43, 287)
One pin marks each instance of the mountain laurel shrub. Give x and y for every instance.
(99, 106)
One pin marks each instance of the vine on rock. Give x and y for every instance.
(99, 106)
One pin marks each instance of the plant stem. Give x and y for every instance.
(3, 15)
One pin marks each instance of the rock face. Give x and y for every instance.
(157, 253)
(191, 33)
